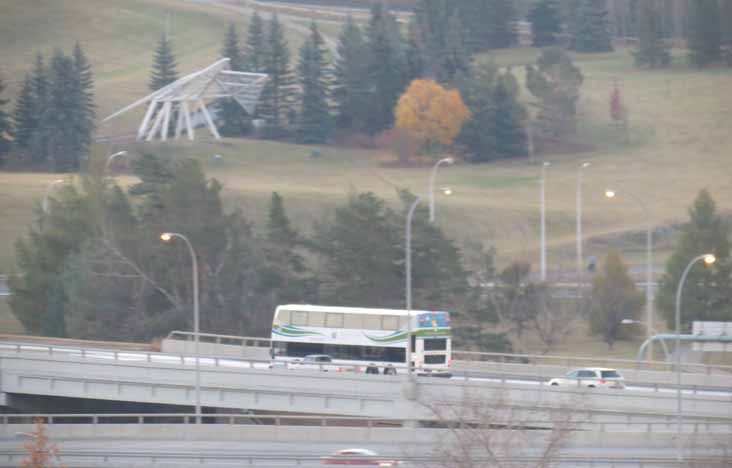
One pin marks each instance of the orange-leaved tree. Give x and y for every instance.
(41, 452)
(431, 113)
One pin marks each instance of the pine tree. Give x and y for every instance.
(386, 69)
(726, 16)
(503, 24)
(350, 90)
(87, 109)
(164, 65)
(705, 35)
(708, 289)
(455, 58)
(593, 27)
(24, 115)
(275, 104)
(653, 51)
(510, 121)
(476, 17)
(233, 119)
(65, 137)
(614, 297)
(255, 47)
(40, 89)
(314, 76)
(546, 23)
(5, 125)
(415, 56)
(231, 49)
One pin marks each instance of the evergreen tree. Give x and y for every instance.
(593, 27)
(556, 82)
(24, 115)
(313, 68)
(275, 104)
(455, 57)
(40, 89)
(61, 130)
(85, 81)
(708, 289)
(164, 65)
(350, 90)
(653, 51)
(478, 135)
(5, 126)
(231, 49)
(255, 46)
(726, 16)
(510, 121)
(415, 56)
(385, 67)
(546, 23)
(705, 35)
(503, 24)
(233, 120)
(614, 297)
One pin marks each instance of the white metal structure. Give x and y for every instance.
(189, 94)
(362, 336)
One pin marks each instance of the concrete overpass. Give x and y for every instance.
(147, 377)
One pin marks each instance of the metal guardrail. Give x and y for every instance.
(287, 420)
(126, 357)
(567, 361)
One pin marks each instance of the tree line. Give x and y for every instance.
(53, 120)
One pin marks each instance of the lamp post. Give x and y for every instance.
(542, 200)
(168, 237)
(582, 166)
(708, 259)
(433, 177)
(649, 258)
(50, 187)
(112, 157)
(408, 255)
(651, 332)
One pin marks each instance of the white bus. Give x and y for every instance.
(360, 336)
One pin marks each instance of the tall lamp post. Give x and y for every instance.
(112, 157)
(649, 258)
(49, 189)
(433, 177)
(709, 259)
(542, 203)
(580, 169)
(168, 237)
(408, 255)
(651, 332)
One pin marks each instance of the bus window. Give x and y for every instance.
(372, 322)
(283, 317)
(389, 322)
(435, 344)
(434, 359)
(299, 318)
(316, 319)
(352, 321)
(333, 320)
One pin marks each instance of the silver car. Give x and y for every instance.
(591, 377)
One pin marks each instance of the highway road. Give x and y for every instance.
(162, 358)
(236, 453)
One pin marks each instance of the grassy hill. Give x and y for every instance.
(679, 141)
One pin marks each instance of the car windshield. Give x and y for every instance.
(610, 374)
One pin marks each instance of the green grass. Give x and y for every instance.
(679, 141)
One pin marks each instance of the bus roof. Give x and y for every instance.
(352, 310)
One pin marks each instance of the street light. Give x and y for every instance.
(542, 200)
(651, 332)
(408, 255)
(709, 259)
(610, 194)
(433, 176)
(111, 158)
(168, 237)
(582, 166)
(50, 187)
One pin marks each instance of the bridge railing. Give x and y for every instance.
(288, 420)
(502, 373)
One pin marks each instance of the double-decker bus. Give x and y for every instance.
(360, 336)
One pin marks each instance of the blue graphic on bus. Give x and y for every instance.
(435, 319)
